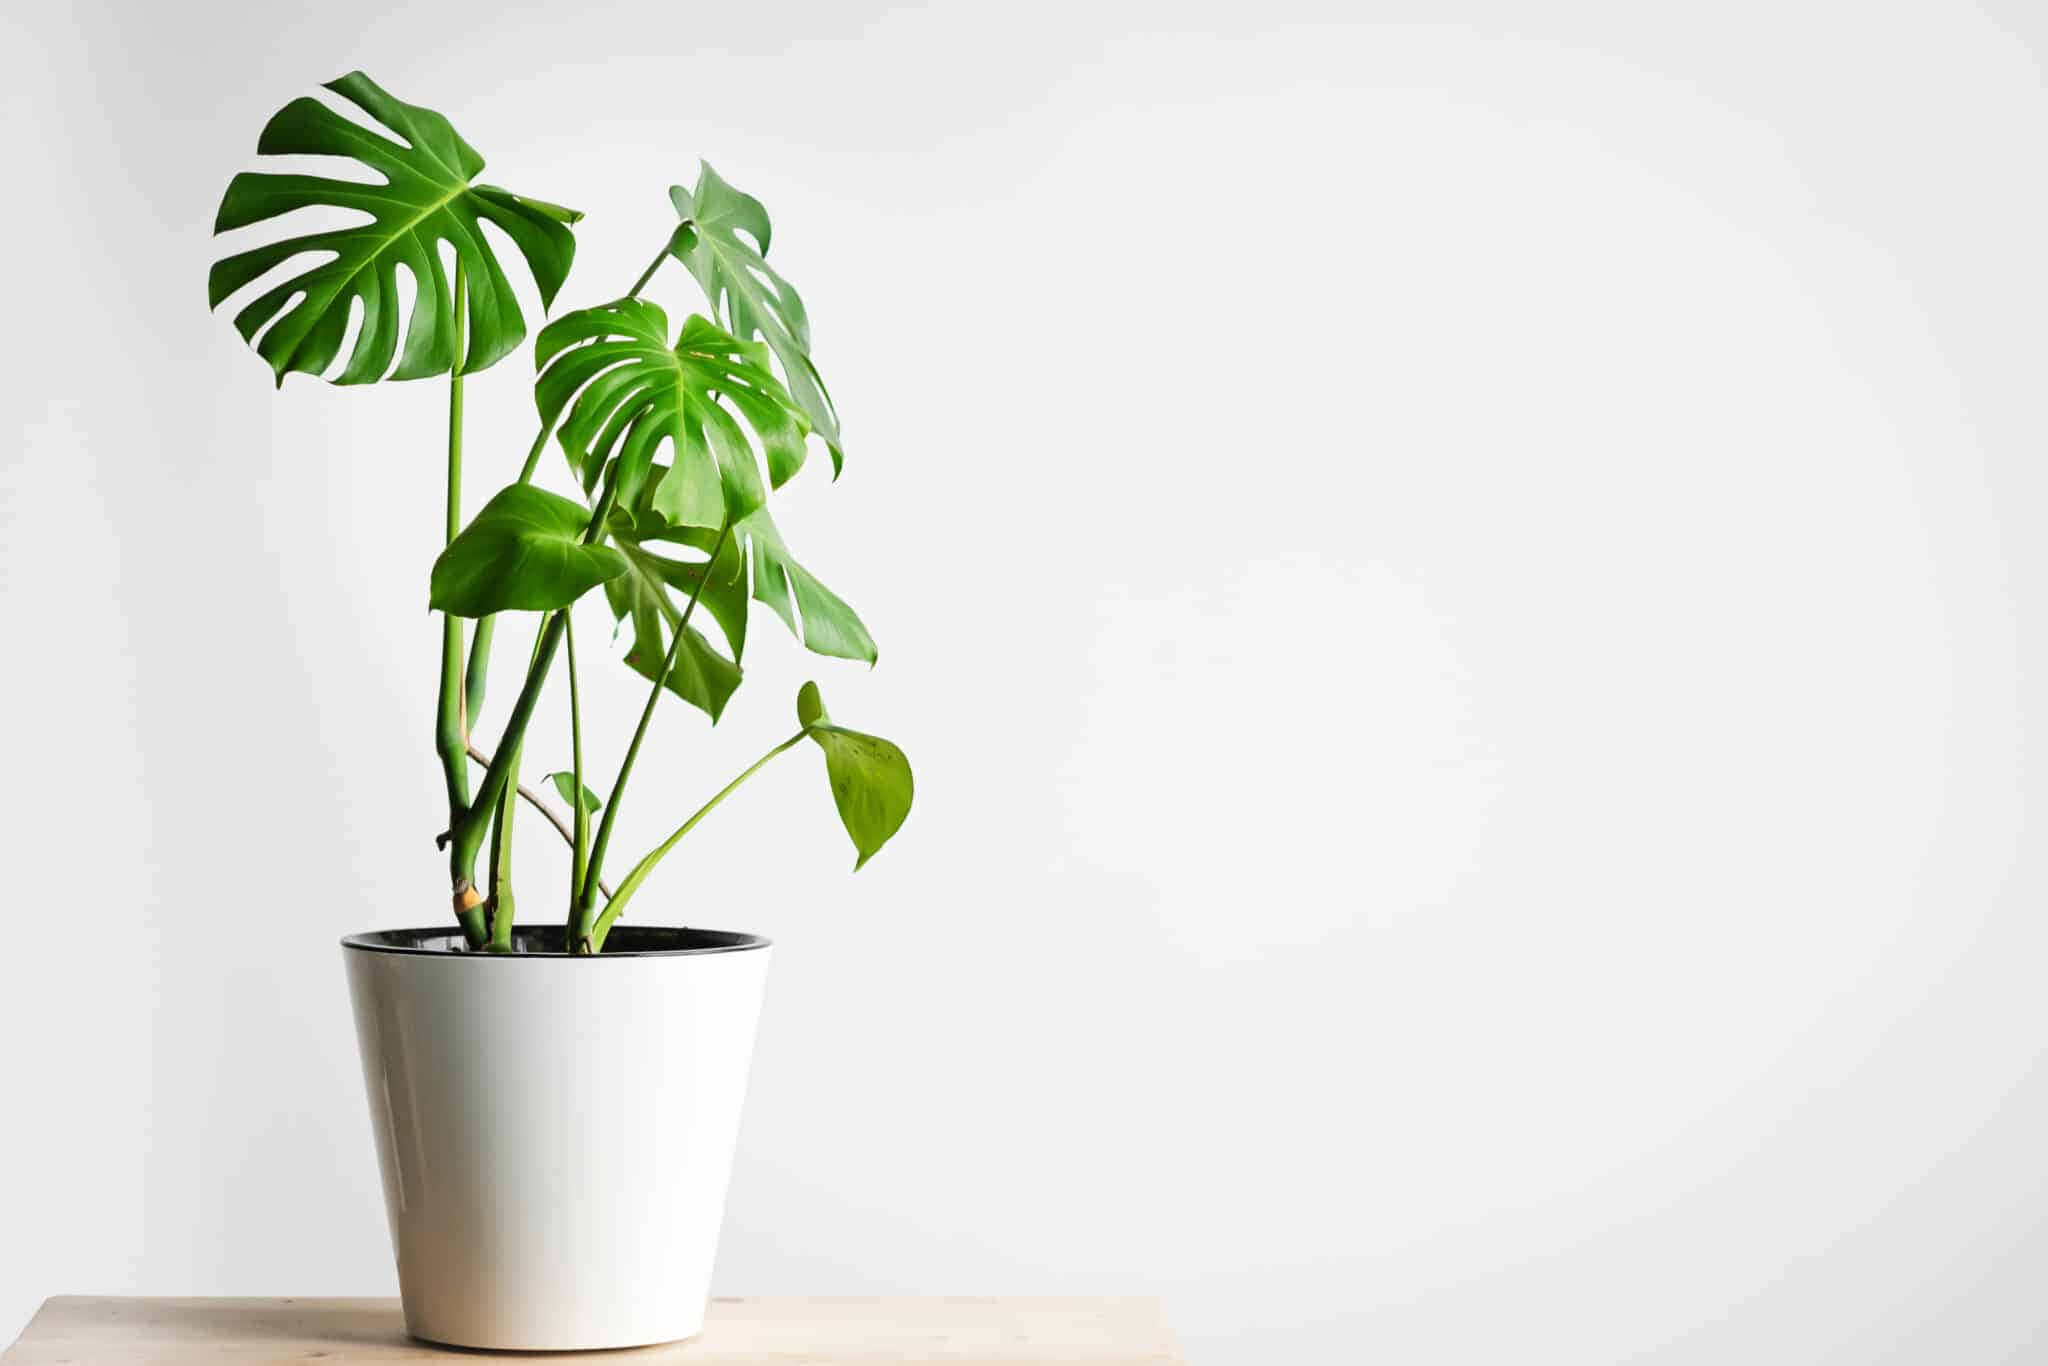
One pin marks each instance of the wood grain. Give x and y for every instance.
(76, 1330)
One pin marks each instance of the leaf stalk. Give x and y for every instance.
(486, 629)
(580, 845)
(448, 720)
(586, 899)
(602, 926)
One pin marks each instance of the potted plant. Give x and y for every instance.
(555, 1099)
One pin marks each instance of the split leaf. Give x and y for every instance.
(653, 593)
(747, 292)
(426, 198)
(621, 390)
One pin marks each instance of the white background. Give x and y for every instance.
(1459, 580)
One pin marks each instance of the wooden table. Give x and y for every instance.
(77, 1330)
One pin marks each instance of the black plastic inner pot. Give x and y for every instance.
(545, 941)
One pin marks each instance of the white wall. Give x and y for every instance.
(1459, 579)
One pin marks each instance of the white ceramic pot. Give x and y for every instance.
(555, 1132)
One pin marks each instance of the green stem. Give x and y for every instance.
(645, 866)
(586, 901)
(548, 813)
(466, 835)
(473, 676)
(655, 264)
(448, 720)
(580, 846)
(480, 648)
(466, 832)
(486, 629)
(501, 901)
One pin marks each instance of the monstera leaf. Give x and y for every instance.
(652, 594)
(745, 290)
(525, 551)
(426, 198)
(620, 389)
(829, 626)
(650, 542)
(870, 777)
(768, 574)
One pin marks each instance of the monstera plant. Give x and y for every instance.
(676, 437)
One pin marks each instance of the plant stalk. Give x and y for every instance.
(466, 832)
(501, 902)
(486, 629)
(586, 898)
(655, 264)
(645, 866)
(580, 845)
(449, 730)
(534, 800)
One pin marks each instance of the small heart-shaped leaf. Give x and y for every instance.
(565, 783)
(870, 777)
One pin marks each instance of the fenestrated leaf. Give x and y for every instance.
(870, 777)
(565, 783)
(649, 541)
(746, 291)
(702, 677)
(621, 390)
(426, 198)
(652, 595)
(828, 625)
(523, 552)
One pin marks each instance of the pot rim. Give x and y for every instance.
(445, 941)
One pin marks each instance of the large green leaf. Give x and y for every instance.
(826, 624)
(747, 292)
(426, 198)
(620, 390)
(870, 777)
(829, 626)
(647, 596)
(650, 540)
(523, 552)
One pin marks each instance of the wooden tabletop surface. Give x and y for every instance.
(78, 1330)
